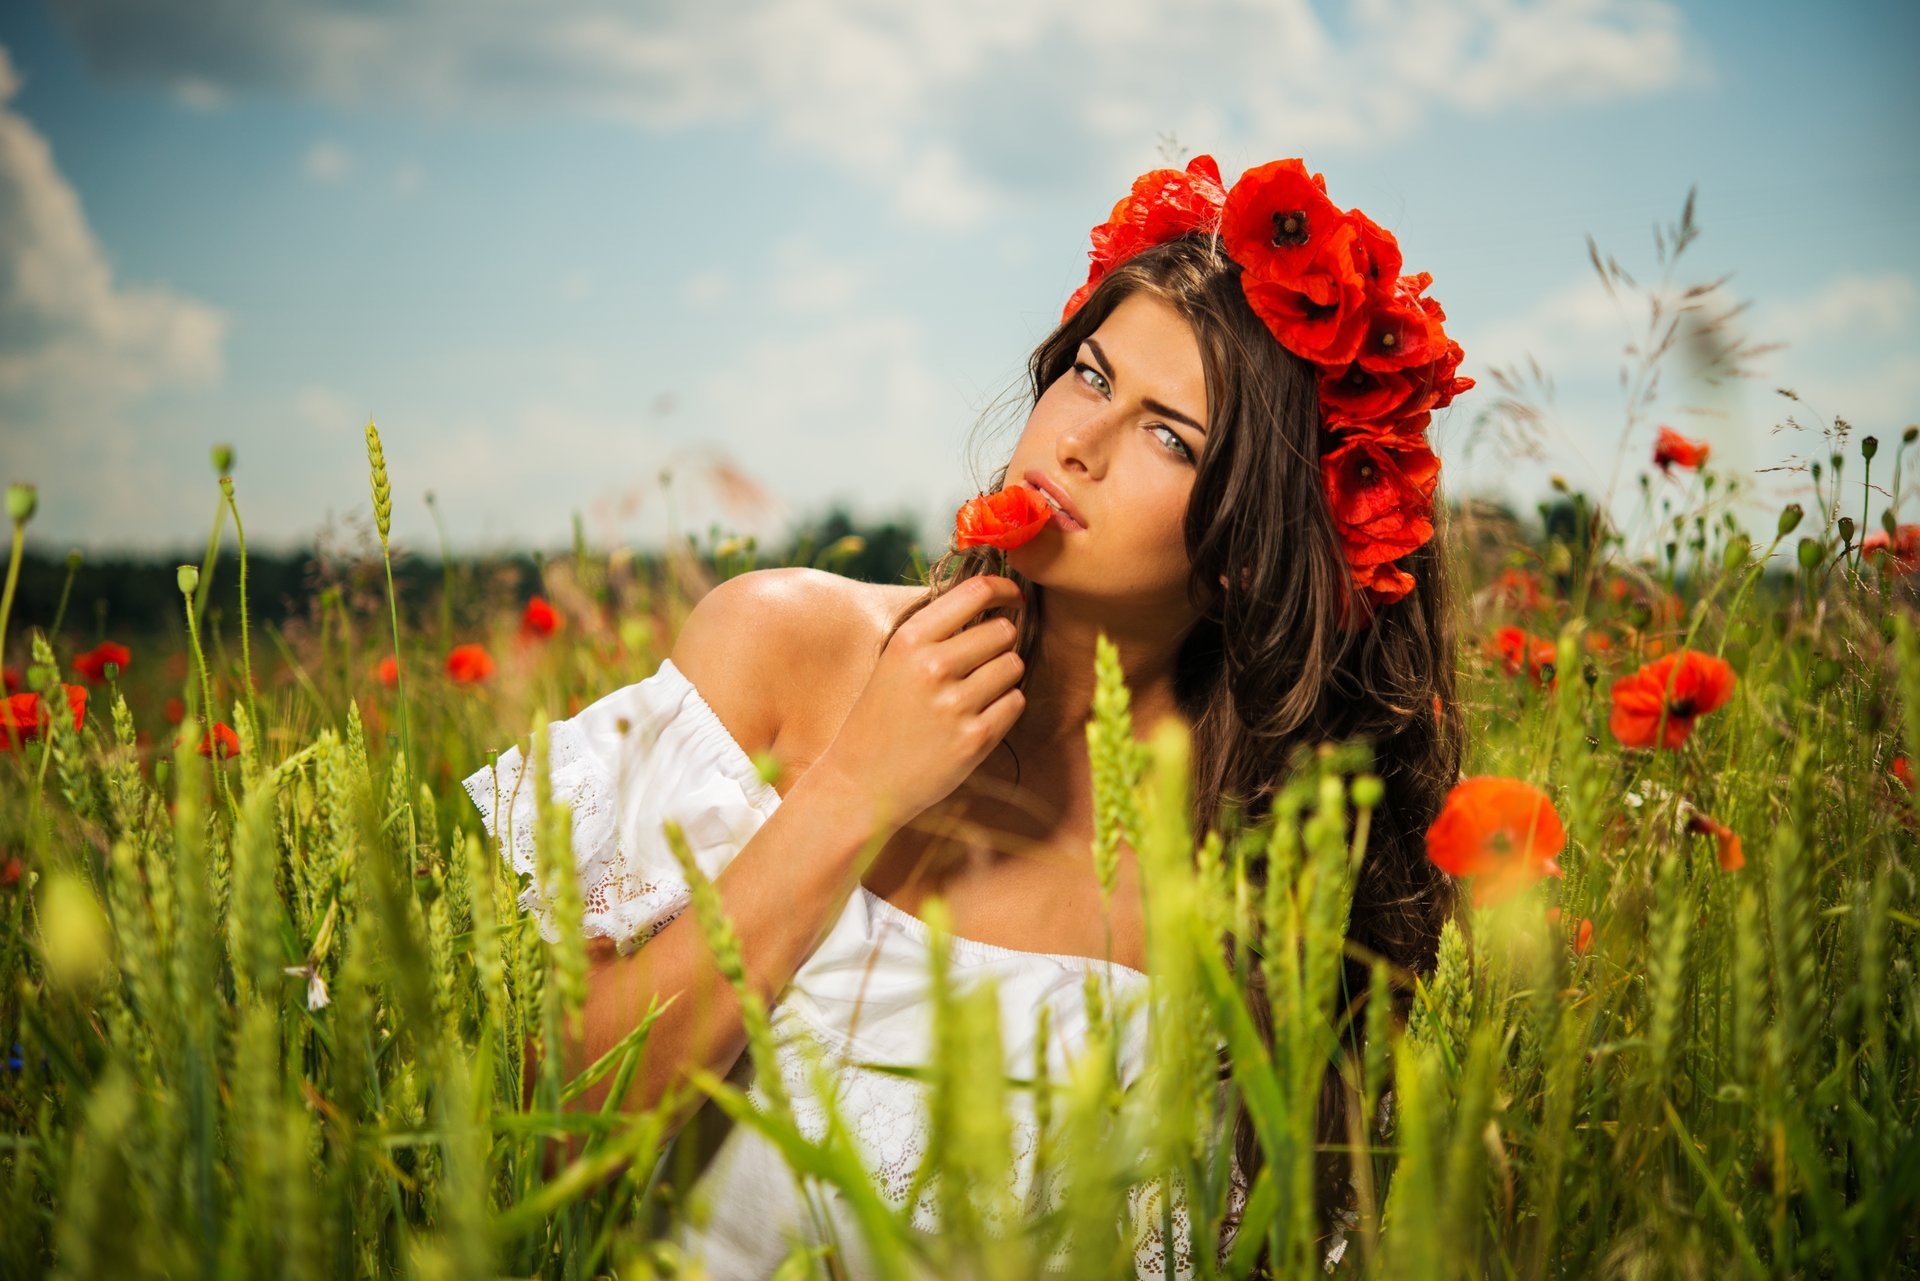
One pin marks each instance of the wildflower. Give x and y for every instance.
(21, 719)
(222, 739)
(1503, 832)
(1730, 856)
(1582, 934)
(469, 664)
(176, 711)
(10, 678)
(11, 873)
(1674, 449)
(387, 671)
(93, 663)
(317, 997)
(1901, 549)
(1005, 520)
(1518, 649)
(1902, 770)
(1677, 689)
(1518, 588)
(539, 619)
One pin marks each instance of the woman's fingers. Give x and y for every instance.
(951, 612)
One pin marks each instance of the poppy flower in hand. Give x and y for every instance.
(1674, 450)
(93, 663)
(539, 618)
(1502, 832)
(1005, 520)
(1683, 685)
(221, 740)
(469, 664)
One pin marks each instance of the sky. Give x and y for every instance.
(679, 267)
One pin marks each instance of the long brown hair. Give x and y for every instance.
(1270, 667)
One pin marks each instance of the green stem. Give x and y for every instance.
(66, 588)
(6, 607)
(246, 647)
(207, 563)
(208, 716)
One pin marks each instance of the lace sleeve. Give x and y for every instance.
(1149, 1235)
(639, 756)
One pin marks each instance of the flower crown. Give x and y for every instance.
(1328, 285)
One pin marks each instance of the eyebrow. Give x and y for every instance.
(1154, 405)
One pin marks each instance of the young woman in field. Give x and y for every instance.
(1229, 422)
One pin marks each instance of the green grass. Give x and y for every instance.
(1726, 1082)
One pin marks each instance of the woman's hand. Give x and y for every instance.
(940, 698)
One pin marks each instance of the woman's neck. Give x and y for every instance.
(1059, 682)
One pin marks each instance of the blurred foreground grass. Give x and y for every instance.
(266, 1013)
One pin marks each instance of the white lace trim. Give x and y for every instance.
(618, 904)
(887, 1117)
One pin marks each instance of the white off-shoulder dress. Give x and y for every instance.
(654, 751)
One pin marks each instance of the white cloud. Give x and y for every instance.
(941, 108)
(326, 162)
(74, 343)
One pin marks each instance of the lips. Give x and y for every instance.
(1051, 490)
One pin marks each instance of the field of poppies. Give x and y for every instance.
(268, 994)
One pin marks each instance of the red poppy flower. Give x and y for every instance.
(387, 671)
(1730, 856)
(175, 711)
(21, 720)
(1517, 650)
(1502, 832)
(10, 874)
(1519, 588)
(1900, 551)
(1163, 205)
(1400, 332)
(1005, 520)
(1381, 490)
(10, 678)
(1672, 449)
(539, 618)
(1582, 934)
(222, 739)
(469, 664)
(1320, 314)
(1685, 685)
(93, 663)
(1902, 769)
(1278, 222)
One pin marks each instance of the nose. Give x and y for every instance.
(1086, 443)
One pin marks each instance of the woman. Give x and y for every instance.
(1229, 424)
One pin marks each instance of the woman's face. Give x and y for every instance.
(1118, 435)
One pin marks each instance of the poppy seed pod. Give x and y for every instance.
(1790, 519)
(189, 579)
(22, 501)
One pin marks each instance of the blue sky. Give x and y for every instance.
(554, 250)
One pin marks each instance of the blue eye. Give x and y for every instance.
(1095, 379)
(1185, 452)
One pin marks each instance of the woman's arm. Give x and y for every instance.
(782, 891)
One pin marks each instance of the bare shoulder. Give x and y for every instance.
(772, 648)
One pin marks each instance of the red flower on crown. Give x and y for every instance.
(1328, 285)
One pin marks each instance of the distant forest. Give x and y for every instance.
(125, 595)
